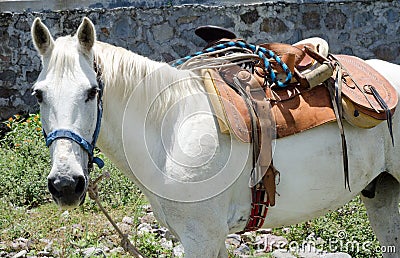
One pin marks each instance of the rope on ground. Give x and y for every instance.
(125, 242)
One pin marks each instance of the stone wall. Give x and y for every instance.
(368, 29)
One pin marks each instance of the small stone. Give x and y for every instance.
(93, 251)
(233, 240)
(43, 253)
(147, 208)
(65, 214)
(144, 228)
(21, 243)
(159, 231)
(242, 250)
(163, 32)
(170, 236)
(250, 17)
(20, 254)
(125, 228)
(186, 19)
(167, 244)
(273, 25)
(148, 218)
(264, 230)
(248, 236)
(127, 220)
(49, 244)
(282, 254)
(178, 251)
(117, 250)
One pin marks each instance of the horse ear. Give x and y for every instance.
(86, 34)
(42, 39)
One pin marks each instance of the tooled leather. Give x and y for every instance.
(295, 109)
(363, 74)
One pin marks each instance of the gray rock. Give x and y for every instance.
(264, 231)
(178, 251)
(282, 254)
(167, 244)
(243, 249)
(233, 240)
(125, 228)
(144, 228)
(148, 218)
(93, 251)
(127, 220)
(117, 250)
(21, 243)
(20, 254)
(163, 32)
(43, 254)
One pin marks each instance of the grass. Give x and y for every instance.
(27, 212)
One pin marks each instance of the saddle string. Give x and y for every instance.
(336, 97)
(386, 108)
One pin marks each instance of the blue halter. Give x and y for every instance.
(86, 145)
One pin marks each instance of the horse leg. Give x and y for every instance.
(200, 227)
(203, 243)
(383, 213)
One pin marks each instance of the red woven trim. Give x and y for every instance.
(259, 208)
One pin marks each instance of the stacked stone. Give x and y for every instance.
(368, 29)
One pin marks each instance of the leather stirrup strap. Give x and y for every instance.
(263, 111)
(255, 135)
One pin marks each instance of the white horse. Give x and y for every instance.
(158, 128)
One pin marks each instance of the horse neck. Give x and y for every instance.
(149, 88)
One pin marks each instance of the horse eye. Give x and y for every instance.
(39, 95)
(91, 94)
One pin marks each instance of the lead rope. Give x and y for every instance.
(261, 52)
(125, 242)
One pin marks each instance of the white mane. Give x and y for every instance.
(152, 81)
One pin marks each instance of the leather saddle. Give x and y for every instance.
(324, 88)
(306, 102)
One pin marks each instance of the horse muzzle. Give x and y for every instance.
(68, 191)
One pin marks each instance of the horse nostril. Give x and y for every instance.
(52, 188)
(80, 184)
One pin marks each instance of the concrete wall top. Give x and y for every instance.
(43, 5)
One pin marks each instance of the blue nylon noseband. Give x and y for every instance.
(86, 145)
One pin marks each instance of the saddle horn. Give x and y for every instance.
(211, 33)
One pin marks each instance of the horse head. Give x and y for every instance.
(68, 94)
